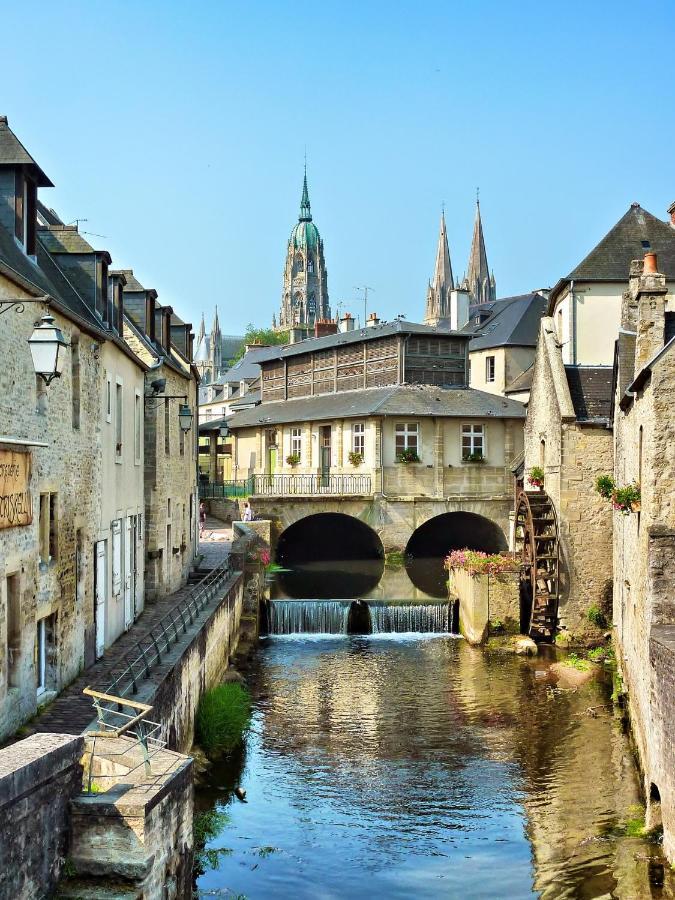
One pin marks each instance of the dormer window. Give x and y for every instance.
(101, 299)
(25, 208)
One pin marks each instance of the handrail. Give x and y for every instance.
(157, 641)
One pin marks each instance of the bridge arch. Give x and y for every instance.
(329, 555)
(431, 542)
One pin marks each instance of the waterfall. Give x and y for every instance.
(332, 616)
(417, 617)
(308, 616)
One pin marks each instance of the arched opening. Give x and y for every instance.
(431, 543)
(329, 556)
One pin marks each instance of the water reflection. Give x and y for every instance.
(421, 767)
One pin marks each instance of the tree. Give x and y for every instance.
(264, 336)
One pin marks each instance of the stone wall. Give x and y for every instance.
(660, 775)
(38, 778)
(485, 600)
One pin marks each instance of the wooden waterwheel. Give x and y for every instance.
(537, 541)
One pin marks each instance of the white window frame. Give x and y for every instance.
(108, 397)
(138, 427)
(490, 369)
(296, 442)
(408, 430)
(473, 431)
(359, 438)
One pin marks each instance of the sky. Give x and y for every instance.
(178, 131)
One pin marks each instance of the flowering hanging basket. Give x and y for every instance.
(536, 477)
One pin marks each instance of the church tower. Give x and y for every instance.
(441, 285)
(305, 292)
(478, 281)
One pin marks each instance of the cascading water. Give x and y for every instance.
(332, 617)
(416, 617)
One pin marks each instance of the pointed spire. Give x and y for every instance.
(305, 211)
(216, 323)
(478, 277)
(202, 331)
(438, 292)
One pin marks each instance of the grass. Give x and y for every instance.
(223, 717)
(395, 558)
(577, 662)
(596, 617)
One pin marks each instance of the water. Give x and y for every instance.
(332, 617)
(414, 766)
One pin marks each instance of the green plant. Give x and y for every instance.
(597, 654)
(223, 716)
(536, 476)
(205, 827)
(476, 457)
(576, 662)
(475, 562)
(293, 459)
(407, 456)
(627, 498)
(355, 459)
(604, 485)
(395, 558)
(265, 336)
(68, 870)
(596, 616)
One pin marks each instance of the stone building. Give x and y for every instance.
(644, 540)
(73, 453)
(568, 431)
(304, 298)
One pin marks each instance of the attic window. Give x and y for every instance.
(646, 245)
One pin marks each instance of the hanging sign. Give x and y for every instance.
(15, 502)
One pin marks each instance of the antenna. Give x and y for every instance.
(365, 288)
(76, 222)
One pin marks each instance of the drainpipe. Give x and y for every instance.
(574, 324)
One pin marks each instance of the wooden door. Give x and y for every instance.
(100, 575)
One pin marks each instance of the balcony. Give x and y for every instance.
(289, 486)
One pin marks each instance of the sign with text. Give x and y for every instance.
(15, 503)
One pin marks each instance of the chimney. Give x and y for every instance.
(372, 320)
(347, 323)
(296, 334)
(671, 213)
(629, 304)
(459, 309)
(651, 312)
(324, 327)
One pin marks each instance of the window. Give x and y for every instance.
(406, 437)
(489, 368)
(75, 378)
(299, 264)
(108, 398)
(473, 441)
(118, 419)
(359, 438)
(48, 527)
(13, 598)
(138, 426)
(296, 441)
(560, 325)
(44, 653)
(310, 265)
(167, 434)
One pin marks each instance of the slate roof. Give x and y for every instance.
(522, 382)
(670, 327)
(250, 397)
(512, 322)
(398, 326)
(133, 285)
(13, 153)
(392, 401)
(591, 391)
(245, 369)
(63, 239)
(636, 232)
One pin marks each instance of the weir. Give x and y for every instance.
(347, 616)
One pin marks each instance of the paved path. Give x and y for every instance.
(72, 712)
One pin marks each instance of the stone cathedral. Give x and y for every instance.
(304, 298)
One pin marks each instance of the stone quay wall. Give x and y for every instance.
(661, 806)
(485, 600)
(38, 778)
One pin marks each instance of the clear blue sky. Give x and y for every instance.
(178, 130)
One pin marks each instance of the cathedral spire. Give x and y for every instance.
(305, 211)
(438, 293)
(216, 323)
(478, 282)
(201, 332)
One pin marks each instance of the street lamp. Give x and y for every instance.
(185, 417)
(48, 349)
(224, 431)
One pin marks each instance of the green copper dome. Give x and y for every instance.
(305, 235)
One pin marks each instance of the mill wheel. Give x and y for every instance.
(537, 541)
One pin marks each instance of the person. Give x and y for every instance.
(248, 513)
(202, 519)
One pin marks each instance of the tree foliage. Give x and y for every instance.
(264, 336)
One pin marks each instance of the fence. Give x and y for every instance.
(288, 486)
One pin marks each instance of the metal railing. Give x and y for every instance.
(113, 722)
(149, 649)
(288, 486)
(225, 489)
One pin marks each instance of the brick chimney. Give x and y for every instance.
(347, 323)
(324, 327)
(651, 312)
(372, 320)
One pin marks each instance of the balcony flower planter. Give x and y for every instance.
(407, 456)
(474, 458)
(627, 499)
(293, 460)
(356, 459)
(536, 478)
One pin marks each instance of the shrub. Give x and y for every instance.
(597, 617)
(536, 476)
(293, 459)
(355, 458)
(223, 716)
(605, 486)
(475, 562)
(407, 456)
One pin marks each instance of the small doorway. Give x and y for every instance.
(271, 451)
(324, 450)
(128, 573)
(100, 594)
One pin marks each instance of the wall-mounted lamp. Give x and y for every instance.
(185, 417)
(48, 349)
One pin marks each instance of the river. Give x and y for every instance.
(414, 766)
